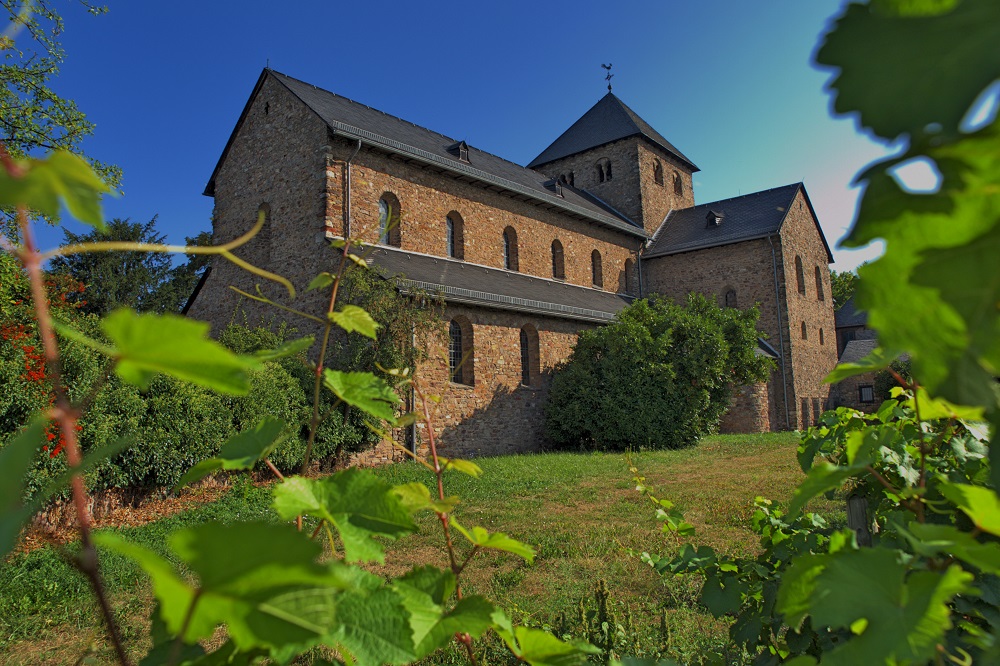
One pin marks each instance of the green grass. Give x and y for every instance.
(579, 510)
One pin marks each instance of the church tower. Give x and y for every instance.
(617, 157)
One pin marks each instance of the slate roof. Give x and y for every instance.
(743, 218)
(608, 120)
(857, 350)
(436, 151)
(471, 284)
(848, 315)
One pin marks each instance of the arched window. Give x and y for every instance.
(558, 264)
(800, 276)
(571, 179)
(678, 183)
(596, 270)
(819, 285)
(529, 356)
(805, 332)
(389, 231)
(263, 237)
(455, 235)
(510, 249)
(730, 298)
(629, 282)
(460, 359)
(603, 167)
(657, 172)
(821, 336)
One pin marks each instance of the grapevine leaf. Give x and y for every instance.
(357, 503)
(417, 497)
(363, 390)
(979, 503)
(932, 409)
(241, 451)
(241, 592)
(60, 179)
(374, 628)
(720, 597)
(540, 648)
(797, 586)
(321, 281)
(822, 477)
(15, 460)
(353, 319)
(939, 64)
(290, 348)
(929, 539)
(148, 344)
(463, 466)
(496, 541)
(876, 360)
(905, 620)
(424, 592)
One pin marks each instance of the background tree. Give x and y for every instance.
(660, 376)
(33, 118)
(143, 281)
(842, 285)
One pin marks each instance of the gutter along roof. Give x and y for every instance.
(352, 120)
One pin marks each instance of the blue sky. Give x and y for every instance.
(729, 82)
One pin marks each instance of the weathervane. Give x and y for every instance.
(609, 76)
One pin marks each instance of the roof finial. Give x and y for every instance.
(609, 76)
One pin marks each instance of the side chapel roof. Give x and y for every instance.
(608, 120)
(743, 218)
(848, 315)
(379, 130)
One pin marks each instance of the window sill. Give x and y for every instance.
(456, 385)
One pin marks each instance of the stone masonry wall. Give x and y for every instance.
(815, 354)
(749, 410)
(745, 267)
(632, 189)
(426, 199)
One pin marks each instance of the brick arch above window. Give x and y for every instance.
(390, 214)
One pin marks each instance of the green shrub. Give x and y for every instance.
(660, 376)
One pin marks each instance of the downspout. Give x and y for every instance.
(781, 337)
(347, 201)
(638, 261)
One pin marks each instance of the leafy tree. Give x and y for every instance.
(660, 376)
(143, 281)
(842, 285)
(33, 118)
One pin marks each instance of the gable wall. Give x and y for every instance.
(812, 360)
(277, 158)
(426, 198)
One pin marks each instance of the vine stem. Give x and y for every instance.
(922, 484)
(66, 416)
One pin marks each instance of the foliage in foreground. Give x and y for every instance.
(659, 376)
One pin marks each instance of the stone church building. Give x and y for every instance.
(523, 257)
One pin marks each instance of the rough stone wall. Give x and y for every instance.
(815, 354)
(426, 199)
(748, 269)
(749, 410)
(497, 415)
(847, 393)
(632, 189)
(276, 158)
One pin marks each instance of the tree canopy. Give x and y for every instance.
(660, 376)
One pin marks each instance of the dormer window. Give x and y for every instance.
(555, 185)
(460, 149)
(714, 219)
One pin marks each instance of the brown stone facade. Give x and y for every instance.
(314, 185)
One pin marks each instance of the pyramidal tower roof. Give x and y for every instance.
(608, 120)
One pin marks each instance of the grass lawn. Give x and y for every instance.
(580, 511)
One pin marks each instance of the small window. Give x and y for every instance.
(800, 275)
(628, 279)
(603, 170)
(805, 331)
(558, 264)
(529, 356)
(460, 360)
(819, 285)
(730, 298)
(455, 235)
(389, 232)
(866, 393)
(510, 249)
(821, 341)
(463, 152)
(571, 179)
(657, 172)
(678, 184)
(597, 271)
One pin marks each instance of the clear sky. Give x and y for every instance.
(729, 82)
